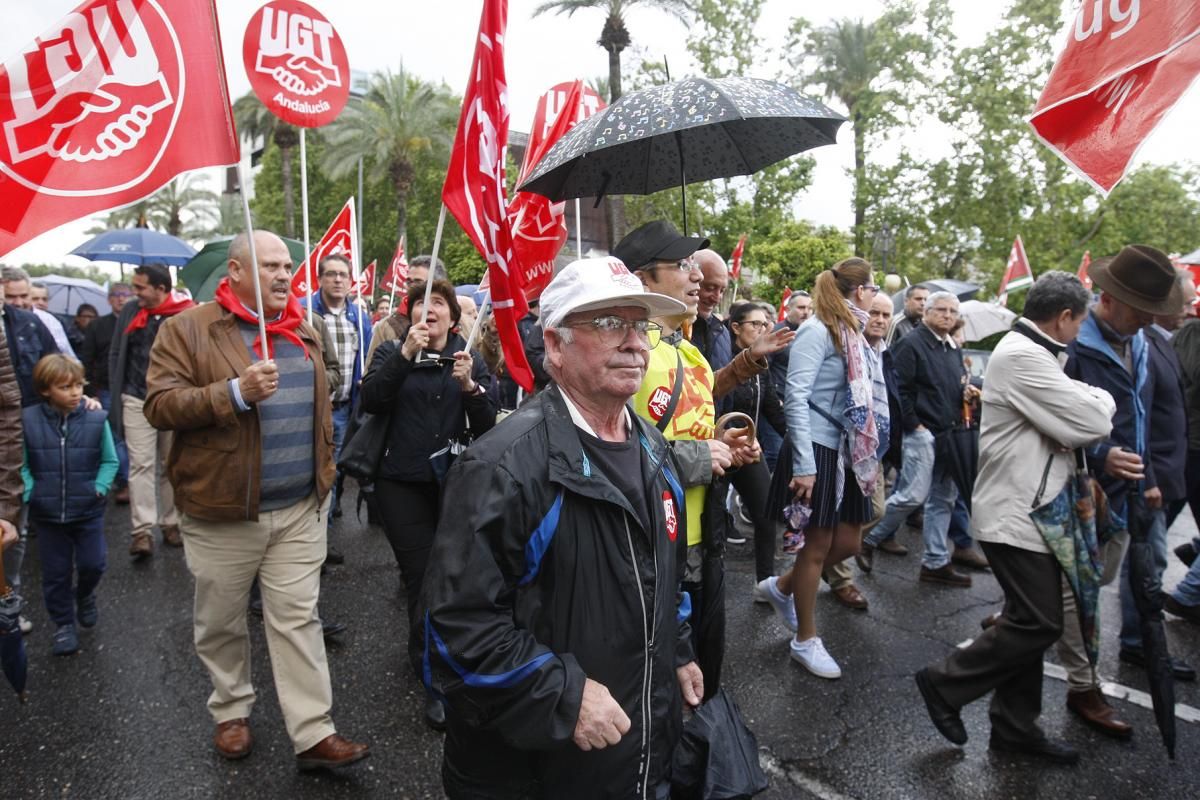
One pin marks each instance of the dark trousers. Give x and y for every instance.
(68, 549)
(1192, 482)
(752, 482)
(410, 517)
(1008, 656)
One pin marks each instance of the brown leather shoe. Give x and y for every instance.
(946, 575)
(892, 547)
(851, 597)
(865, 557)
(121, 496)
(1190, 613)
(1093, 709)
(990, 620)
(171, 536)
(970, 558)
(141, 546)
(331, 752)
(233, 739)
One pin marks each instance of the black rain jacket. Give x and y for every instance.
(541, 575)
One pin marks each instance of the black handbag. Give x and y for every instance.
(364, 445)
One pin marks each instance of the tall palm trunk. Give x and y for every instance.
(289, 197)
(860, 185)
(403, 174)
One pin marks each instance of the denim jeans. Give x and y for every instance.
(1187, 591)
(1131, 634)
(60, 544)
(939, 507)
(771, 441)
(341, 418)
(960, 525)
(911, 489)
(105, 398)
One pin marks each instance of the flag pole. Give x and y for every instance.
(258, 301)
(479, 320)
(355, 255)
(308, 267)
(437, 244)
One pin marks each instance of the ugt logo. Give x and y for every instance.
(295, 50)
(105, 84)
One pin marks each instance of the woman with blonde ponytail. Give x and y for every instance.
(838, 426)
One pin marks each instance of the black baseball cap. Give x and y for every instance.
(656, 241)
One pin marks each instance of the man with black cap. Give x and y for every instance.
(1111, 353)
(677, 396)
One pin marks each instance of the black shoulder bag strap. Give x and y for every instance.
(665, 420)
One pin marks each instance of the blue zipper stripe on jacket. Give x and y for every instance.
(540, 539)
(1090, 336)
(684, 612)
(672, 481)
(504, 680)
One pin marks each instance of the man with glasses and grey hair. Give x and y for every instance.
(553, 622)
(933, 387)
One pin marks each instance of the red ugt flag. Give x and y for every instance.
(1083, 268)
(365, 285)
(1018, 274)
(783, 301)
(338, 240)
(1124, 67)
(106, 107)
(397, 273)
(735, 266)
(474, 191)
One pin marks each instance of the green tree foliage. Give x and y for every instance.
(793, 255)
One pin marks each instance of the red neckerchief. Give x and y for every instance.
(175, 302)
(285, 326)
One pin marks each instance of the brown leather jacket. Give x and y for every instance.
(216, 455)
(12, 451)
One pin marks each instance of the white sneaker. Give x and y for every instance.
(766, 591)
(24, 624)
(815, 658)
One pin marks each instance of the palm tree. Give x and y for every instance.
(614, 36)
(401, 119)
(845, 70)
(166, 207)
(255, 121)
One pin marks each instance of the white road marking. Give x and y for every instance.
(1136, 696)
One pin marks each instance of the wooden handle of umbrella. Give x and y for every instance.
(726, 422)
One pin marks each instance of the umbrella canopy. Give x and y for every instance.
(12, 645)
(67, 294)
(204, 271)
(960, 289)
(1148, 597)
(1191, 258)
(692, 130)
(958, 450)
(984, 319)
(136, 246)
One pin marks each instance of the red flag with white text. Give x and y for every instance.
(397, 272)
(338, 240)
(474, 191)
(783, 301)
(538, 224)
(365, 285)
(1083, 269)
(1018, 274)
(735, 261)
(106, 107)
(1123, 68)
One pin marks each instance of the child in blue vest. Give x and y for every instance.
(70, 463)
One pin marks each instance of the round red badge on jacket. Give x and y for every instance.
(669, 513)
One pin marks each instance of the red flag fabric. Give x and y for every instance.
(175, 302)
(339, 239)
(1123, 68)
(365, 285)
(1018, 274)
(106, 107)
(538, 224)
(1083, 268)
(397, 273)
(474, 191)
(735, 261)
(783, 301)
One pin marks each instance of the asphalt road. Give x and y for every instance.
(125, 718)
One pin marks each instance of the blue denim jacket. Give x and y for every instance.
(817, 376)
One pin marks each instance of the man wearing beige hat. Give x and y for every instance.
(1111, 353)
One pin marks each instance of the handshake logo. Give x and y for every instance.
(92, 89)
(295, 51)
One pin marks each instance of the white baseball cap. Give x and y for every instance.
(591, 284)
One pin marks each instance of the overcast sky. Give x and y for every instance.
(435, 40)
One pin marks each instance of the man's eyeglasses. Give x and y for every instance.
(613, 330)
(683, 265)
(337, 276)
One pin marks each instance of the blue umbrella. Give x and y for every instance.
(136, 246)
(12, 644)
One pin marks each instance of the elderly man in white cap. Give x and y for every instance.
(552, 621)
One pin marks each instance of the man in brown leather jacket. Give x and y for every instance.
(252, 466)
(11, 452)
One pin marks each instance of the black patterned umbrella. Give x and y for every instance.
(683, 132)
(12, 645)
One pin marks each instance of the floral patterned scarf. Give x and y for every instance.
(866, 408)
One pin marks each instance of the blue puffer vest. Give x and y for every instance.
(64, 457)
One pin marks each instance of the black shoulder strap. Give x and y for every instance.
(835, 423)
(665, 420)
